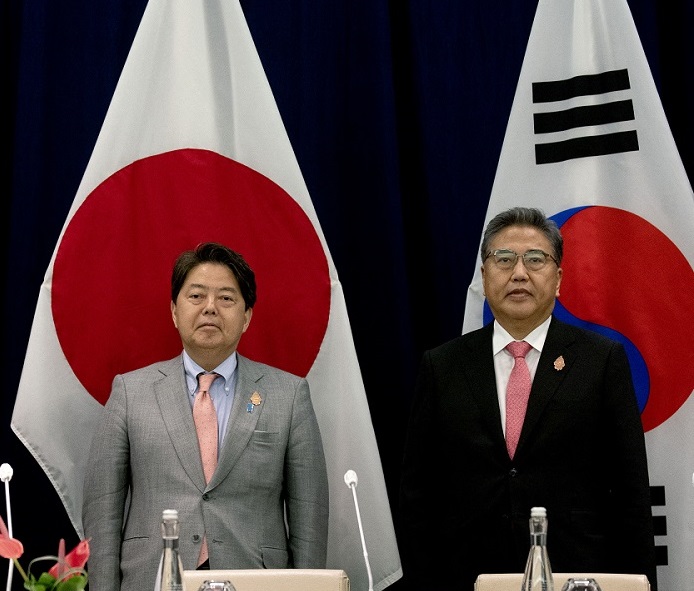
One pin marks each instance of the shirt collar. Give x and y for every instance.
(536, 338)
(225, 369)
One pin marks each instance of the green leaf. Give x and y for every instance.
(32, 585)
(76, 583)
(46, 580)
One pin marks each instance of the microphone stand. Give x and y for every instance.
(6, 475)
(351, 482)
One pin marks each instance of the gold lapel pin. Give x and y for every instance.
(255, 401)
(559, 363)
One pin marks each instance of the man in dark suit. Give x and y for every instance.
(466, 495)
(264, 505)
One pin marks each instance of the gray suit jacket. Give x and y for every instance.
(145, 458)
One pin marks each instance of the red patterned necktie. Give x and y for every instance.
(517, 394)
(205, 418)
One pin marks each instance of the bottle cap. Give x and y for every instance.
(169, 515)
(538, 512)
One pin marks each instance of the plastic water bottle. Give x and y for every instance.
(170, 575)
(538, 572)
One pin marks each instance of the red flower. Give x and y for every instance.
(67, 574)
(76, 558)
(9, 547)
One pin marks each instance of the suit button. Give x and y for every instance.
(205, 497)
(196, 538)
(513, 473)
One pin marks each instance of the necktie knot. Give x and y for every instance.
(518, 348)
(205, 381)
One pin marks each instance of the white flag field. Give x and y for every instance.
(588, 143)
(193, 149)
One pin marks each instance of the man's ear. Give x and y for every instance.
(249, 315)
(559, 274)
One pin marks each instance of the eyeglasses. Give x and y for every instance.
(534, 260)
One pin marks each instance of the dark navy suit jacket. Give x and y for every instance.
(465, 505)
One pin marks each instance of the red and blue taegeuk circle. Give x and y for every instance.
(624, 278)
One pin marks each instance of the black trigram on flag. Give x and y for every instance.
(596, 85)
(659, 524)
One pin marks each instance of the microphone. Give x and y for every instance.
(6, 472)
(351, 482)
(5, 476)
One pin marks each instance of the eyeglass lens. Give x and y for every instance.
(534, 260)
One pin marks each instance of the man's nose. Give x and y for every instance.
(210, 307)
(519, 269)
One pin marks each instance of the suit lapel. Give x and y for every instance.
(171, 393)
(479, 367)
(241, 422)
(555, 363)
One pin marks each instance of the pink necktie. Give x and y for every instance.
(517, 394)
(205, 418)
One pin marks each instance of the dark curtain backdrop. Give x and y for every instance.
(396, 110)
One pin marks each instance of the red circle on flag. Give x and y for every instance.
(622, 272)
(111, 289)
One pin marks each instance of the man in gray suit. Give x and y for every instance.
(465, 494)
(266, 502)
